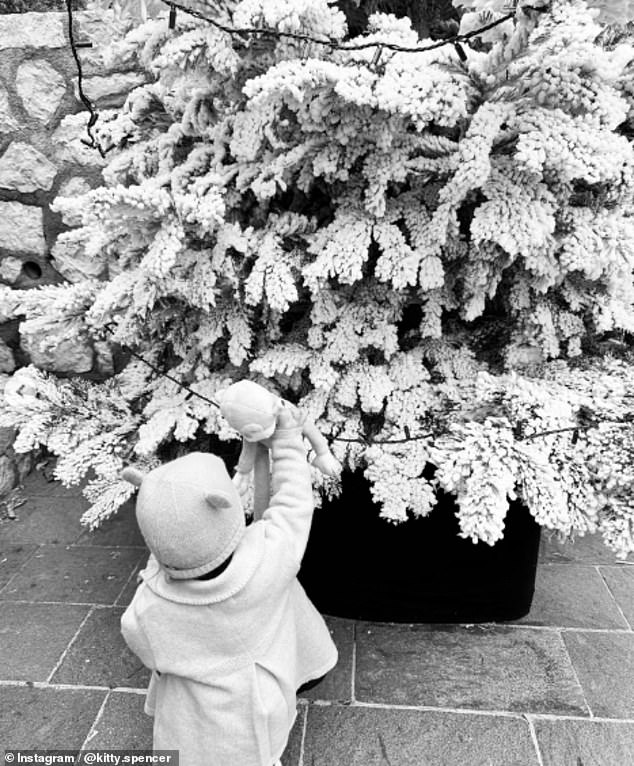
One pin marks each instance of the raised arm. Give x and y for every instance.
(291, 509)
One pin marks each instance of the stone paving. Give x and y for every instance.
(553, 689)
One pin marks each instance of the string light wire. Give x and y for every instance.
(94, 114)
(408, 436)
(331, 44)
(334, 45)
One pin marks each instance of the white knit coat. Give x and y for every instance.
(228, 654)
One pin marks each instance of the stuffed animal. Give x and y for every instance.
(252, 411)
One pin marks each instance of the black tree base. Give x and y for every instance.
(360, 566)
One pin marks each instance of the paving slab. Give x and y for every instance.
(589, 743)
(122, 724)
(99, 655)
(55, 719)
(479, 667)
(36, 484)
(292, 755)
(46, 520)
(87, 574)
(127, 594)
(12, 557)
(338, 683)
(589, 549)
(605, 667)
(620, 581)
(34, 636)
(361, 736)
(120, 529)
(575, 596)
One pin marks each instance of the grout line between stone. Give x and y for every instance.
(71, 687)
(100, 547)
(133, 573)
(21, 567)
(92, 731)
(303, 737)
(533, 733)
(68, 646)
(305, 704)
(615, 563)
(595, 719)
(353, 672)
(58, 603)
(555, 628)
(89, 547)
(472, 711)
(576, 676)
(614, 598)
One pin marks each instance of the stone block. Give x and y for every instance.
(8, 121)
(23, 464)
(12, 557)
(8, 475)
(122, 725)
(21, 228)
(605, 667)
(589, 549)
(67, 140)
(47, 719)
(74, 574)
(119, 530)
(10, 269)
(481, 667)
(32, 30)
(34, 637)
(292, 756)
(112, 89)
(47, 520)
(620, 581)
(7, 437)
(338, 683)
(127, 594)
(92, 60)
(41, 88)
(99, 655)
(66, 355)
(72, 262)
(7, 363)
(572, 596)
(24, 169)
(76, 186)
(38, 485)
(357, 736)
(585, 743)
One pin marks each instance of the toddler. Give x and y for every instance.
(220, 617)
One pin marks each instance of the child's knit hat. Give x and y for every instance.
(189, 513)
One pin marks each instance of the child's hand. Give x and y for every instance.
(290, 417)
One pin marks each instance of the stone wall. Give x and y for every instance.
(42, 124)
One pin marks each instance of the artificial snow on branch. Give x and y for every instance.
(426, 253)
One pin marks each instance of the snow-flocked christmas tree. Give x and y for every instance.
(423, 250)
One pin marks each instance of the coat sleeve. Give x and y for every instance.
(289, 515)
